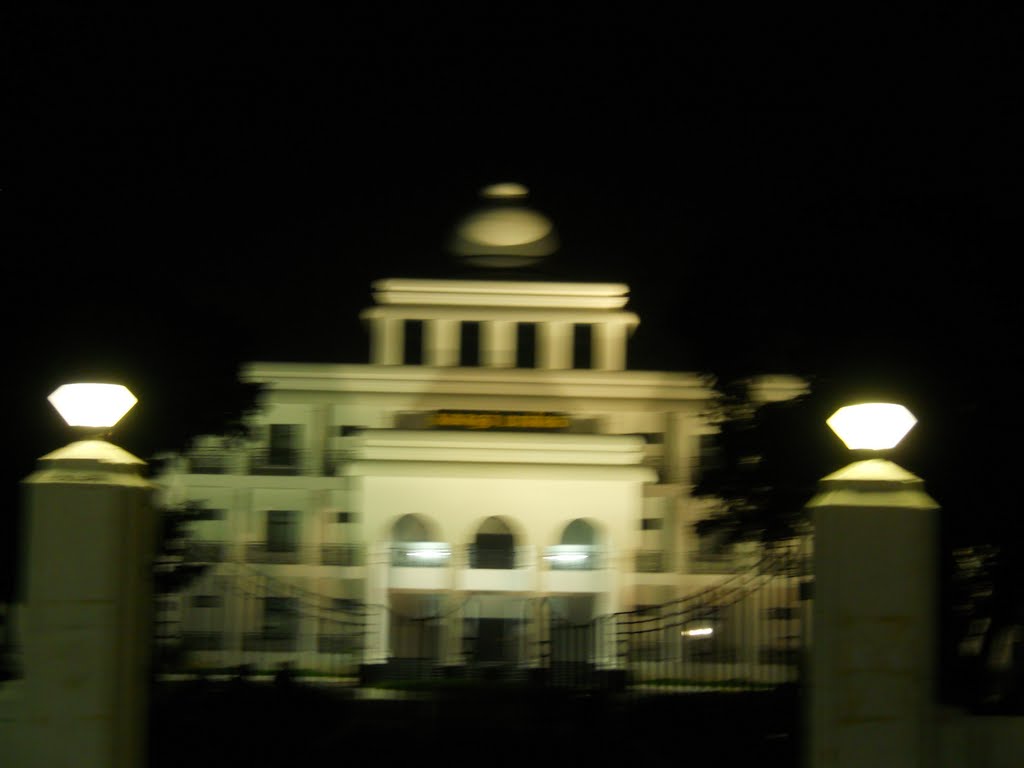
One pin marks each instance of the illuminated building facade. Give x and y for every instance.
(493, 468)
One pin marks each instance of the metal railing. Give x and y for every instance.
(341, 554)
(209, 462)
(278, 643)
(261, 552)
(333, 642)
(421, 554)
(203, 641)
(205, 551)
(265, 462)
(651, 561)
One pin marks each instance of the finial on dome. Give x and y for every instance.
(506, 190)
(504, 232)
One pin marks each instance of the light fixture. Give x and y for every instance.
(698, 632)
(567, 557)
(871, 426)
(98, 406)
(428, 554)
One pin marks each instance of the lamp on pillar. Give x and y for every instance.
(874, 630)
(88, 596)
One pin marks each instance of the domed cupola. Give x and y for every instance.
(504, 232)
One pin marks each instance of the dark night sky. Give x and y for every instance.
(838, 197)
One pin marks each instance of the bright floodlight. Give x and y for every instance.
(429, 554)
(874, 426)
(567, 557)
(698, 632)
(92, 405)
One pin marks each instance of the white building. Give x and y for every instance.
(494, 468)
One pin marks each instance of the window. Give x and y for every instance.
(283, 448)
(280, 617)
(782, 613)
(282, 531)
(469, 344)
(344, 517)
(526, 345)
(412, 354)
(349, 430)
(206, 601)
(581, 345)
(651, 524)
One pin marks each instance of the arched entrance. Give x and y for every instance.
(493, 546)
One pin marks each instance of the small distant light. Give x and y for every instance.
(698, 632)
(92, 405)
(872, 426)
(567, 557)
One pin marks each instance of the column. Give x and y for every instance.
(498, 344)
(88, 607)
(387, 343)
(609, 346)
(441, 342)
(874, 652)
(378, 562)
(554, 345)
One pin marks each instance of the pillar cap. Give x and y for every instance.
(873, 483)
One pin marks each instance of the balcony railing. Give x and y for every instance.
(335, 459)
(260, 641)
(651, 561)
(205, 551)
(338, 643)
(261, 552)
(719, 562)
(568, 557)
(203, 641)
(267, 462)
(341, 554)
(209, 463)
(421, 554)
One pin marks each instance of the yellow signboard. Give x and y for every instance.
(499, 420)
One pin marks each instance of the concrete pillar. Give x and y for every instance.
(441, 342)
(498, 344)
(378, 563)
(88, 612)
(608, 347)
(873, 657)
(451, 639)
(606, 605)
(387, 342)
(554, 345)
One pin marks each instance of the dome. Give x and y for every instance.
(504, 232)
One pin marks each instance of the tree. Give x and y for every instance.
(761, 467)
(173, 571)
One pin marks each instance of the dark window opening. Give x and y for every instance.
(493, 550)
(582, 337)
(469, 344)
(343, 517)
(413, 340)
(651, 524)
(282, 531)
(526, 345)
(283, 450)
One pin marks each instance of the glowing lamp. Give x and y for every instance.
(567, 557)
(871, 426)
(92, 405)
(429, 554)
(698, 632)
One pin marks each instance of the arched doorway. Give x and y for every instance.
(493, 546)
